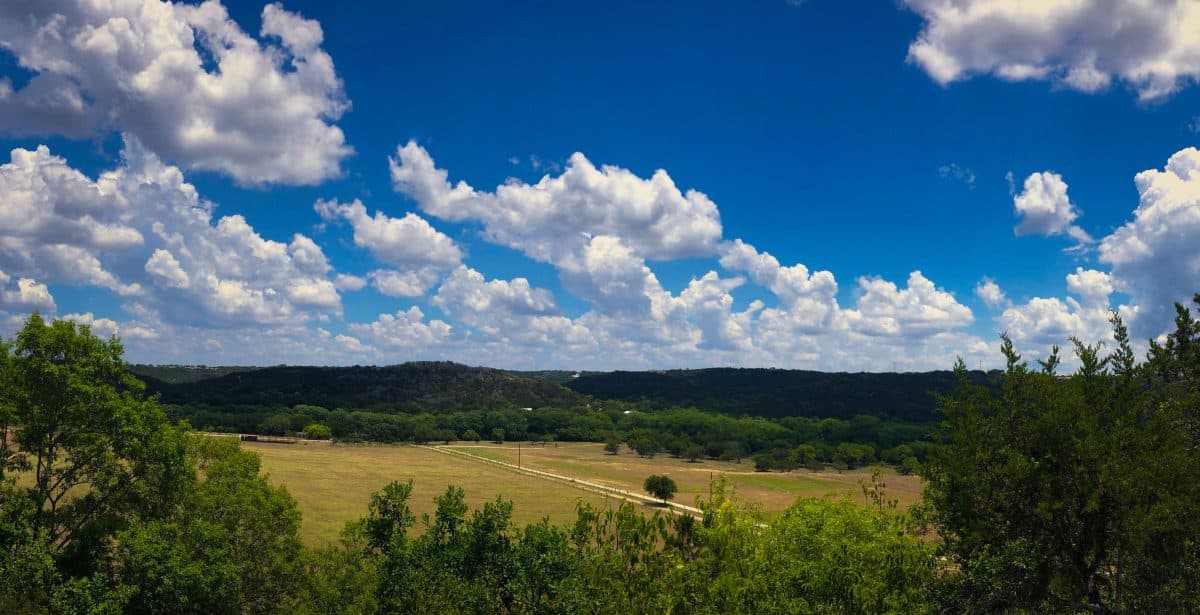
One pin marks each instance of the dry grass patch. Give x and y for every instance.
(774, 491)
(333, 483)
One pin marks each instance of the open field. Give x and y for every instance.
(774, 491)
(333, 483)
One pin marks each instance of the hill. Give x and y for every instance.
(775, 393)
(408, 387)
(175, 374)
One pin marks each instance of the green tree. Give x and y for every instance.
(661, 487)
(612, 445)
(95, 454)
(231, 545)
(275, 425)
(1072, 494)
(317, 431)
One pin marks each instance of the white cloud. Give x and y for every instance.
(185, 79)
(400, 242)
(989, 291)
(807, 300)
(1042, 322)
(25, 295)
(1152, 46)
(106, 327)
(509, 311)
(1045, 208)
(183, 264)
(406, 330)
(919, 310)
(1154, 257)
(345, 281)
(166, 269)
(559, 215)
(403, 283)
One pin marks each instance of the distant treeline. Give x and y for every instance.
(781, 444)
(411, 387)
(784, 419)
(780, 392)
(440, 386)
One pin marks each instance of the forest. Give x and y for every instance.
(1045, 492)
(783, 419)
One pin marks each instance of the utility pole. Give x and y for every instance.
(518, 454)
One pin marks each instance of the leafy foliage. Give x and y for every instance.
(661, 487)
(1078, 493)
(776, 393)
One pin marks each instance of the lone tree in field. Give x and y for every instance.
(612, 446)
(661, 487)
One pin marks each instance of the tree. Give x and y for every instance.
(471, 436)
(317, 431)
(612, 445)
(498, 435)
(1076, 493)
(232, 544)
(275, 425)
(97, 455)
(661, 487)
(692, 453)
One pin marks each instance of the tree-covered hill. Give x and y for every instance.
(779, 392)
(176, 374)
(442, 386)
(430, 386)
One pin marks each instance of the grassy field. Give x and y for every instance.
(774, 491)
(333, 483)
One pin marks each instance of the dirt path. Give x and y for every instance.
(628, 496)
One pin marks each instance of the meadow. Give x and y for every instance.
(773, 491)
(333, 483)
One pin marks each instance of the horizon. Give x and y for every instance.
(796, 185)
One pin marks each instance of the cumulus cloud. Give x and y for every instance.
(1042, 322)
(596, 225)
(405, 330)
(990, 292)
(1045, 208)
(143, 232)
(807, 300)
(400, 242)
(1154, 256)
(185, 79)
(403, 283)
(920, 309)
(559, 215)
(107, 327)
(345, 281)
(24, 295)
(1152, 46)
(509, 311)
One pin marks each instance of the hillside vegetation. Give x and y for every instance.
(778, 393)
(421, 386)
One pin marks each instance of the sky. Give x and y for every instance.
(849, 186)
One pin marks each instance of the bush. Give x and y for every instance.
(317, 431)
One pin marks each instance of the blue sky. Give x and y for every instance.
(867, 140)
